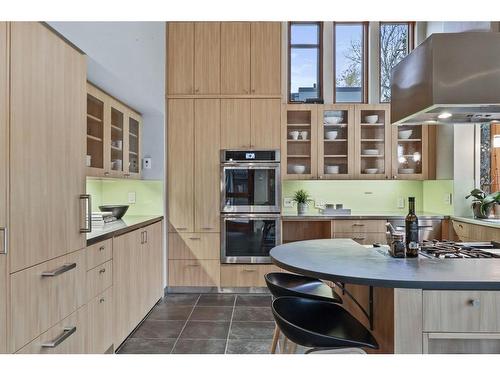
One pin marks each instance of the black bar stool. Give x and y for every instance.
(320, 325)
(282, 284)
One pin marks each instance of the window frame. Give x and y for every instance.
(411, 46)
(319, 46)
(365, 78)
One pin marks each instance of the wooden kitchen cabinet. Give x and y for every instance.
(265, 123)
(265, 57)
(235, 57)
(245, 275)
(137, 277)
(4, 175)
(180, 136)
(100, 323)
(207, 165)
(207, 54)
(47, 114)
(98, 133)
(235, 124)
(193, 273)
(468, 232)
(180, 54)
(192, 246)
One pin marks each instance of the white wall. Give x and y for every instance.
(127, 59)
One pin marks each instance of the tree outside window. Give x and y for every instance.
(394, 46)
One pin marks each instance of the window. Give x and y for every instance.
(489, 169)
(396, 41)
(304, 61)
(350, 62)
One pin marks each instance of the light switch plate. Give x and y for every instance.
(288, 202)
(401, 202)
(319, 204)
(447, 198)
(131, 197)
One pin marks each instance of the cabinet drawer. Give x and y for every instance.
(38, 302)
(194, 246)
(66, 337)
(245, 275)
(100, 323)
(461, 311)
(99, 279)
(99, 253)
(359, 226)
(363, 238)
(461, 229)
(193, 273)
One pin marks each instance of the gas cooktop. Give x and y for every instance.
(459, 250)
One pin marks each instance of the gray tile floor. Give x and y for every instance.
(205, 324)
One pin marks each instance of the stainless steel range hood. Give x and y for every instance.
(449, 78)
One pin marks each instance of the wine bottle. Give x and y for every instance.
(411, 226)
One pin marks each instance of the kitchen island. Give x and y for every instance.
(415, 305)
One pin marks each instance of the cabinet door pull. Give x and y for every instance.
(358, 225)
(102, 270)
(67, 332)
(195, 238)
(181, 228)
(207, 228)
(142, 237)
(5, 241)
(474, 302)
(88, 227)
(146, 236)
(359, 238)
(64, 268)
(101, 248)
(193, 265)
(102, 300)
(247, 270)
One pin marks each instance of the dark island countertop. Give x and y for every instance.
(119, 227)
(358, 215)
(343, 260)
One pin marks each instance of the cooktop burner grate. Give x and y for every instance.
(458, 250)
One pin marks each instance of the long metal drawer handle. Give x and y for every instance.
(67, 332)
(358, 225)
(5, 241)
(194, 238)
(207, 228)
(87, 228)
(359, 238)
(181, 228)
(246, 270)
(64, 268)
(146, 233)
(193, 265)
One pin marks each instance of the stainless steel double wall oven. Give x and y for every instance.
(250, 205)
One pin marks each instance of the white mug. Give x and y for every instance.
(294, 135)
(88, 160)
(303, 134)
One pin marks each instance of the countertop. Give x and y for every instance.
(493, 223)
(358, 215)
(116, 228)
(344, 260)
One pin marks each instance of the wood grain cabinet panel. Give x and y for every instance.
(359, 226)
(193, 273)
(180, 56)
(153, 270)
(235, 58)
(194, 246)
(245, 275)
(4, 173)
(100, 323)
(99, 253)
(38, 302)
(73, 344)
(265, 123)
(207, 165)
(181, 164)
(235, 123)
(207, 58)
(363, 238)
(99, 279)
(266, 58)
(47, 145)
(461, 311)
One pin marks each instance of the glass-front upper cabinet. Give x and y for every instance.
(97, 135)
(299, 147)
(134, 142)
(117, 138)
(410, 152)
(336, 141)
(373, 141)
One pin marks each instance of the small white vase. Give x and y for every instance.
(301, 208)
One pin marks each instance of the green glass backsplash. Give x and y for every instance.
(148, 195)
(373, 196)
(435, 195)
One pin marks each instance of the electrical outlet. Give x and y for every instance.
(146, 163)
(288, 202)
(131, 197)
(447, 198)
(401, 202)
(319, 204)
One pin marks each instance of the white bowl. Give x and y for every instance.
(298, 169)
(371, 119)
(332, 120)
(405, 134)
(331, 134)
(294, 135)
(370, 151)
(406, 170)
(371, 170)
(332, 169)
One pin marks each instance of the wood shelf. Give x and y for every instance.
(133, 135)
(377, 124)
(299, 125)
(299, 156)
(335, 156)
(334, 140)
(372, 140)
(114, 148)
(410, 140)
(116, 128)
(341, 125)
(133, 153)
(372, 156)
(97, 119)
(94, 138)
(299, 140)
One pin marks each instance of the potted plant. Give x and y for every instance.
(483, 203)
(302, 198)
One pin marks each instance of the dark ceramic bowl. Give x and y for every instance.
(117, 210)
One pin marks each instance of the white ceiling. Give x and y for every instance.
(126, 59)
